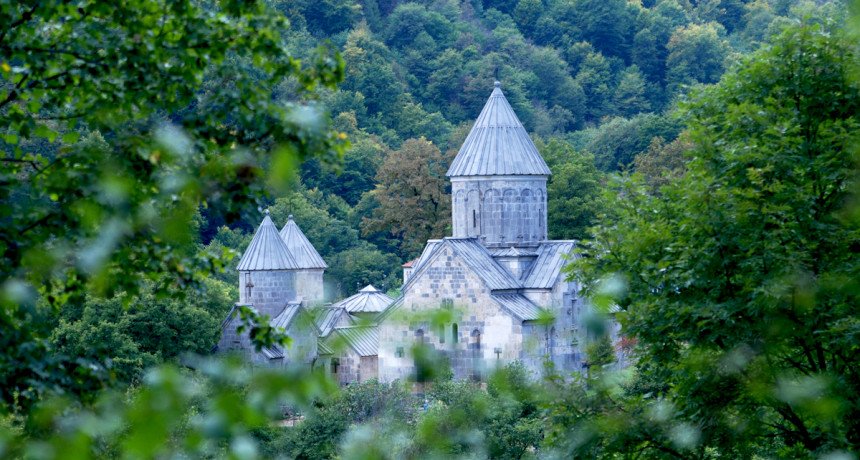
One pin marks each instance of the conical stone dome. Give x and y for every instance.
(498, 144)
(303, 252)
(267, 250)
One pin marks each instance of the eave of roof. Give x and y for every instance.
(519, 306)
(368, 300)
(545, 270)
(364, 340)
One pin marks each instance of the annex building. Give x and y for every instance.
(498, 276)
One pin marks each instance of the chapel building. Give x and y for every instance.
(499, 275)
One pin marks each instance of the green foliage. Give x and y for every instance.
(600, 352)
(696, 55)
(129, 335)
(357, 267)
(140, 137)
(616, 142)
(100, 186)
(412, 193)
(741, 274)
(209, 413)
(356, 177)
(574, 190)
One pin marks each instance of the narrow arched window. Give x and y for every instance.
(441, 333)
(419, 336)
(474, 218)
(476, 340)
(455, 333)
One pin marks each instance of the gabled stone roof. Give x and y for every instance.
(328, 317)
(512, 251)
(368, 300)
(498, 144)
(286, 316)
(475, 256)
(519, 306)
(547, 267)
(303, 252)
(363, 339)
(267, 250)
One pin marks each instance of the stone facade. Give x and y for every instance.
(302, 351)
(267, 290)
(310, 286)
(501, 210)
(483, 333)
(280, 283)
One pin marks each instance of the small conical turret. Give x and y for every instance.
(267, 251)
(311, 266)
(304, 253)
(267, 271)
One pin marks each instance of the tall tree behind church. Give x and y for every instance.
(412, 192)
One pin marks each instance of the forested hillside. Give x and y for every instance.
(594, 82)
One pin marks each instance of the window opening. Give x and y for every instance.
(476, 340)
(248, 285)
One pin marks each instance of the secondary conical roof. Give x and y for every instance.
(304, 253)
(368, 300)
(267, 250)
(498, 144)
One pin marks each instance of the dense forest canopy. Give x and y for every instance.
(594, 82)
(703, 152)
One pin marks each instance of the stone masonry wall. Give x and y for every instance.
(309, 286)
(483, 329)
(271, 290)
(502, 210)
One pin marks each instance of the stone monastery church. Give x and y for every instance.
(498, 274)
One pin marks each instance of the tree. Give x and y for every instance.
(617, 141)
(573, 191)
(527, 13)
(594, 76)
(328, 17)
(100, 214)
(354, 268)
(369, 71)
(696, 55)
(663, 162)
(605, 24)
(129, 334)
(357, 174)
(413, 201)
(741, 275)
(409, 20)
(630, 94)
